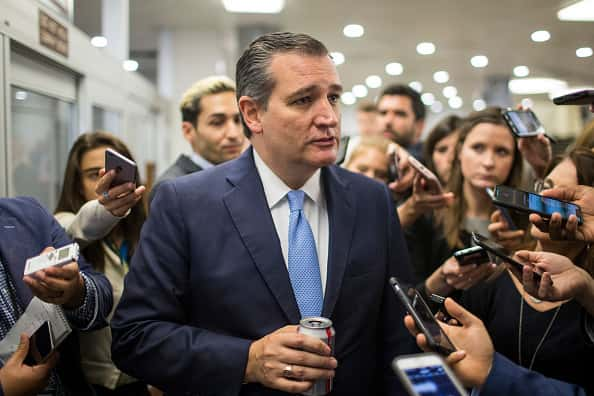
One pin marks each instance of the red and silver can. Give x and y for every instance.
(320, 328)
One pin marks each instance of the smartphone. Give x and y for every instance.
(41, 345)
(393, 173)
(58, 257)
(585, 97)
(500, 253)
(423, 317)
(426, 374)
(124, 167)
(504, 211)
(432, 181)
(533, 203)
(472, 255)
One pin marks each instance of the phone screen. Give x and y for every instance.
(40, 345)
(525, 122)
(431, 381)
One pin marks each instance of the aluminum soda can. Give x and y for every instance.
(320, 328)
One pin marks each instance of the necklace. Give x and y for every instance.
(543, 336)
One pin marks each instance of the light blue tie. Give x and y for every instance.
(304, 269)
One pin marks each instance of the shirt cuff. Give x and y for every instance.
(84, 316)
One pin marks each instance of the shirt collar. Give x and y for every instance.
(275, 189)
(200, 161)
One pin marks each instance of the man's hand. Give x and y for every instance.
(58, 285)
(451, 275)
(579, 195)
(118, 199)
(422, 201)
(511, 240)
(307, 358)
(18, 379)
(474, 358)
(405, 171)
(537, 152)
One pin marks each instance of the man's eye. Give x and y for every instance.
(333, 98)
(303, 100)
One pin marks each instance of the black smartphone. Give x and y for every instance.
(423, 317)
(41, 345)
(124, 167)
(472, 255)
(393, 173)
(524, 123)
(533, 203)
(501, 253)
(585, 97)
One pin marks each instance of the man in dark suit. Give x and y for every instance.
(26, 229)
(210, 123)
(233, 257)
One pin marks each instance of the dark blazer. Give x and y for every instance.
(182, 166)
(26, 228)
(507, 378)
(209, 277)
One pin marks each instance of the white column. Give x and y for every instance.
(115, 26)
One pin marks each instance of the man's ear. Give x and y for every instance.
(188, 131)
(250, 112)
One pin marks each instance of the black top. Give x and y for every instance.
(566, 354)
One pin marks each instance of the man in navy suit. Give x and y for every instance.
(26, 229)
(223, 271)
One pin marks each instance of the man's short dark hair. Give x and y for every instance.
(367, 107)
(252, 75)
(404, 90)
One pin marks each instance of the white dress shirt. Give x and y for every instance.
(314, 208)
(200, 161)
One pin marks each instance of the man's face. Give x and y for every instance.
(218, 135)
(300, 128)
(368, 123)
(398, 120)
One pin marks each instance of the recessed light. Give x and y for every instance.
(584, 52)
(479, 104)
(479, 61)
(359, 90)
(437, 107)
(99, 41)
(373, 81)
(527, 86)
(521, 71)
(449, 91)
(428, 98)
(455, 102)
(394, 69)
(579, 11)
(348, 98)
(337, 58)
(416, 85)
(254, 7)
(353, 31)
(441, 77)
(20, 95)
(426, 48)
(130, 65)
(540, 36)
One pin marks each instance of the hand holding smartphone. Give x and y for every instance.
(433, 183)
(41, 345)
(125, 169)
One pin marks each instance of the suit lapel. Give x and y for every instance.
(341, 219)
(247, 205)
(13, 250)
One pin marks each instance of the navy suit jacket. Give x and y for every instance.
(26, 228)
(208, 278)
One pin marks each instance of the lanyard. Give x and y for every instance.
(122, 252)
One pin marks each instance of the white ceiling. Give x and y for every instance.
(459, 28)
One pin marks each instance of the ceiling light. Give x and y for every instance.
(416, 85)
(337, 58)
(373, 81)
(437, 107)
(441, 77)
(479, 61)
(426, 48)
(521, 71)
(348, 98)
(540, 36)
(479, 104)
(449, 91)
(20, 95)
(99, 41)
(527, 86)
(583, 52)
(428, 98)
(527, 103)
(254, 6)
(455, 102)
(353, 31)
(579, 11)
(394, 69)
(130, 65)
(360, 90)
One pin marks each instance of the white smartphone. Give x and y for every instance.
(58, 257)
(432, 180)
(426, 374)
(124, 167)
